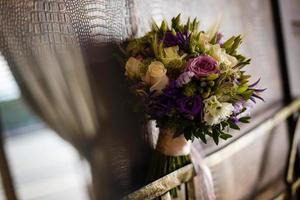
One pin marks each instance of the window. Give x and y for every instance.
(43, 166)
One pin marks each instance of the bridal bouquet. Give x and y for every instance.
(192, 83)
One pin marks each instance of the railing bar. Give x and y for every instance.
(186, 173)
(164, 184)
(262, 129)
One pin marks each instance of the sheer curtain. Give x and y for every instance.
(60, 53)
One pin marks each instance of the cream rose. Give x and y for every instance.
(204, 41)
(133, 67)
(221, 56)
(156, 76)
(231, 61)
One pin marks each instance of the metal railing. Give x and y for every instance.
(185, 174)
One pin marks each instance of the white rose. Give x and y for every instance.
(204, 40)
(156, 76)
(133, 67)
(221, 56)
(231, 61)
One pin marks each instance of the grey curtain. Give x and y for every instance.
(60, 53)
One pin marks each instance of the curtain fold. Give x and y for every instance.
(60, 53)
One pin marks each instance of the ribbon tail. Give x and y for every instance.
(204, 177)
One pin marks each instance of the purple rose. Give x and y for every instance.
(202, 66)
(190, 106)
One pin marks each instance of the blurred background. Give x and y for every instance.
(45, 166)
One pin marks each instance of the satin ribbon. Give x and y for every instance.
(169, 145)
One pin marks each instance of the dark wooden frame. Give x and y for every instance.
(282, 58)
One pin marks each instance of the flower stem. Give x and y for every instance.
(162, 165)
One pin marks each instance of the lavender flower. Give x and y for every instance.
(172, 90)
(170, 39)
(238, 108)
(185, 78)
(190, 107)
(159, 107)
(256, 91)
(162, 105)
(180, 39)
(183, 40)
(219, 37)
(202, 66)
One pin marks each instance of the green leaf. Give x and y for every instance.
(214, 39)
(212, 77)
(187, 135)
(236, 44)
(225, 136)
(195, 25)
(240, 57)
(241, 89)
(229, 43)
(155, 27)
(164, 26)
(190, 89)
(203, 139)
(233, 125)
(245, 119)
(201, 135)
(205, 94)
(243, 110)
(247, 94)
(176, 22)
(240, 65)
(245, 76)
(187, 27)
(215, 136)
(224, 124)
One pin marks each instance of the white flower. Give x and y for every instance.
(221, 56)
(231, 61)
(215, 112)
(133, 67)
(156, 76)
(204, 40)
